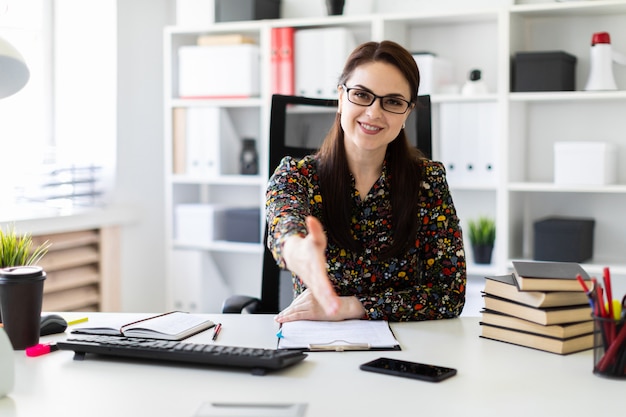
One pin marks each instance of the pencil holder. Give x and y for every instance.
(609, 351)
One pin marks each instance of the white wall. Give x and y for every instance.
(140, 181)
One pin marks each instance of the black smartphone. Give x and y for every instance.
(397, 367)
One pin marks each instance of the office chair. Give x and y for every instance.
(297, 127)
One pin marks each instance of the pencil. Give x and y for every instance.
(77, 321)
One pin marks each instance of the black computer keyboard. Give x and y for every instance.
(258, 360)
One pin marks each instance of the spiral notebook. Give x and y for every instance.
(337, 335)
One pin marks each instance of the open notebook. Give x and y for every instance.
(337, 335)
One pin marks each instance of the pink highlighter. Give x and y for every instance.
(40, 349)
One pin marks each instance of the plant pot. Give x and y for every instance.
(482, 253)
(21, 297)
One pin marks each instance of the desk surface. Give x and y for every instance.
(494, 379)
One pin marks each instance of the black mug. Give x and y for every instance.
(21, 297)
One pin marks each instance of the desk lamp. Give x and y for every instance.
(14, 75)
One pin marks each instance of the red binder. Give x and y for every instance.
(285, 82)
(275, 70)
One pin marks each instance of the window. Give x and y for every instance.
(65, 117)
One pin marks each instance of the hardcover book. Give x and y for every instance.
(548, 276)
(504, 286)
(544, 316)
(548, 344)
(559, 331)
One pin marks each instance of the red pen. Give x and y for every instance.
(583, 284)
(41, 349)
(216, 331)
(609, 293)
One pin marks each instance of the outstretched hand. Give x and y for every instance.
(306, 257)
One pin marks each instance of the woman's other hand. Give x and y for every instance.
(306, 307)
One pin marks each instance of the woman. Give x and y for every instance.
(367, 225)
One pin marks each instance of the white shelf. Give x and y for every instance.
(568, 96)
(571, 8)
(223, 246)
(228, 103)
(252, 180)
(527, 124)
(546, 187)
(457, 98)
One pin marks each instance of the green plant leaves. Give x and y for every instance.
(482, 231)
(18, 250)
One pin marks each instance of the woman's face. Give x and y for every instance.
(370, 129)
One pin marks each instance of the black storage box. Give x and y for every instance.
(236, 10)
(239, 225)
(564, 239)
(544, 71)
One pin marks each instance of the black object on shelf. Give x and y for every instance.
(237, 10)
(249, 159)
(335, 7)
(564, 239)
(544, 71)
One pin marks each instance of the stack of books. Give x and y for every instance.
(540, 305)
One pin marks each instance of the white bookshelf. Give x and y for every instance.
(527, 124)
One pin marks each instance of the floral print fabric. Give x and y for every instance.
(427, 282)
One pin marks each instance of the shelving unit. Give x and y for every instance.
(527, 125)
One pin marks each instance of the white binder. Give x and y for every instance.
(468, 143)
(319, 58)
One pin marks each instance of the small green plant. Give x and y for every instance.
(18, 250)
(482, 231)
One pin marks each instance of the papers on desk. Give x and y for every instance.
(337, 335)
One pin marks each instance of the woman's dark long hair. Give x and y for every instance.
(403, 162)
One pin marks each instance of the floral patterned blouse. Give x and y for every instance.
(427, 282)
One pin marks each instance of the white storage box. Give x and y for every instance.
(218, 71)
(435, 73)
(195, 13)
(195, 223)
(585, 163)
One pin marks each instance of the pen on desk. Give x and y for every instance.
(77, 321)
(216, 331)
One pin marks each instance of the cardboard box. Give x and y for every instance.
(219, 71)
(435, 73)
(563, 239)
(573, 162)
(544, 71)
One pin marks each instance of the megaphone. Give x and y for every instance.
(602, 58)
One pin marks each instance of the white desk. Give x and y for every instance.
(494, 379)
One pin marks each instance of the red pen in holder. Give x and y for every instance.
(609, 353)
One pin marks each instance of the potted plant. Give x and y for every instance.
(21, 287)
(18, 250)
(482, 235)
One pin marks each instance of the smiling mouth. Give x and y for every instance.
(370, 128)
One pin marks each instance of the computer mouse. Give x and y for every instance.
(51, 324)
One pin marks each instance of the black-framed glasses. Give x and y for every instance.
(361, 97)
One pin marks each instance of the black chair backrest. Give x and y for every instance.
(297, 127)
